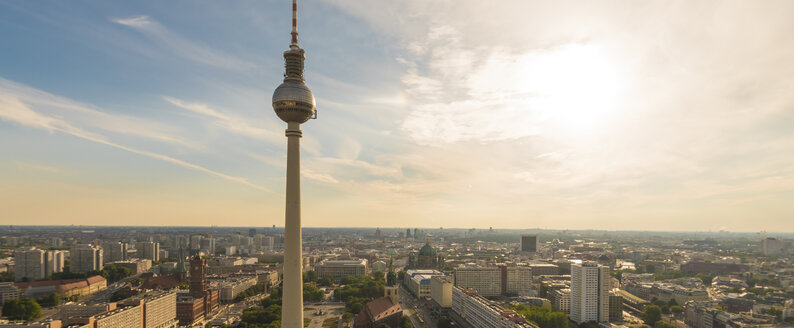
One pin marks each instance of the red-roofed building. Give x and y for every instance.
(377, 313)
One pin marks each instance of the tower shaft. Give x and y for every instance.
(292, 296)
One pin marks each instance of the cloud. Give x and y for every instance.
(181, 46)
(14, 110)
(85, 115)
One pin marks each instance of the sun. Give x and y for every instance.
(575, 89)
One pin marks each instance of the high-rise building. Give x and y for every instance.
(54, 261)
(86, 257)
(195, 242)
(148, 250)
(590, 285)
(29, 264)
(294, 104)
(529, 243)
(251, 232)
(116, 251)
(208, 245)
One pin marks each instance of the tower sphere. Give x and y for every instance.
(293, 102)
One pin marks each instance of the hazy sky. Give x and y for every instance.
(644, 115)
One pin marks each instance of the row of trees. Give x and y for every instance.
(251, 291)
(110, 272)
(543, 317)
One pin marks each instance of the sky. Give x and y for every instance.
(617, 115)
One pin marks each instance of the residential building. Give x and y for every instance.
(149, 251)
(590, 285)
(128, 316)
(494, 281)
(479, 312)
(29, 264)
(561, 300)
(54, 261)
(115, 252)
(86, 257)
(8, 292)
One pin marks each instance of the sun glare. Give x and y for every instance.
(575, 88)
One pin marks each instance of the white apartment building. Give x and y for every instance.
(29, 264)
(481, 313)
(590, 285)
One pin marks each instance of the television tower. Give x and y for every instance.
(294, 104)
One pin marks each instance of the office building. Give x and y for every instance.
(441, 290)
(232, 287)
(529, 243)
(494, 281)
(590, 285)
(338, 269)
(115, 252)
(86, 257)
(418, 281)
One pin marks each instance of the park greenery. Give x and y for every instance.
(651, 314)
(22, 309)
(251, 291)
(268, 313)
(543, 317)
(358, 290)
(49, 300)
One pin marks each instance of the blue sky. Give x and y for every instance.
(656, 115)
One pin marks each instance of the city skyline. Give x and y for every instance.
(654, 116)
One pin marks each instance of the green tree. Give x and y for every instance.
(444, 323)
(50, 300)
(651, 314)
(676, 309)
(405, 322)
(664, 324)
(327, 281)
(22, 309)
(310, 276)
(312, 294)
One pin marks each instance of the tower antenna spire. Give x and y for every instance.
(294, 23)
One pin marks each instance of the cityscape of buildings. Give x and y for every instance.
(123, 276)
(433, 277)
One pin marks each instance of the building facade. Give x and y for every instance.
(529, 243)
(339, 269)
(479, 312)
(590, 285)
(494, 281)
(86, 257)
(115, 252)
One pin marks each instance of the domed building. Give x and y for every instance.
(427, 258)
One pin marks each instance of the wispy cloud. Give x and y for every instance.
(12, 109)
(182, 46)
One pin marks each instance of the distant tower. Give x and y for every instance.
(294, 104)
